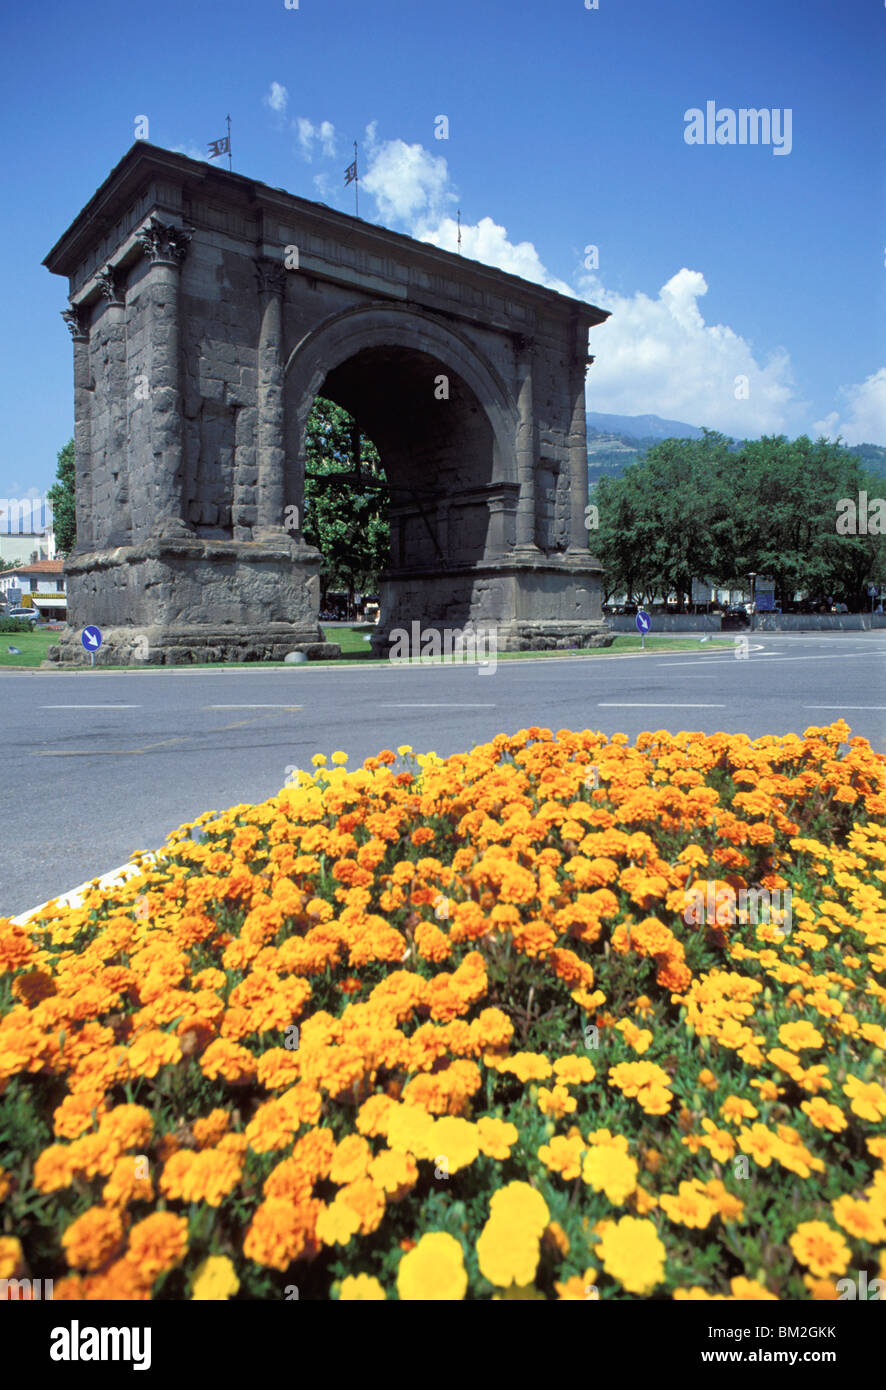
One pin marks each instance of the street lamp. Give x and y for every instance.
(752, 576)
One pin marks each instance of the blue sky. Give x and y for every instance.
(566, 129)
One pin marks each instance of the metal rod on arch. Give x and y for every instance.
(230, 161)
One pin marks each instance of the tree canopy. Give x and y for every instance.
(61, 497)
(697, 509)
(346, 501)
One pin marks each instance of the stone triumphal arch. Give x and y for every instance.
(208, 311)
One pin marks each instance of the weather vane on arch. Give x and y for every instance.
(222, 146)
(352, 176)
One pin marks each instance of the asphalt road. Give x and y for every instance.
(98, 764)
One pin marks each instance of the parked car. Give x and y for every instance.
(29, 615)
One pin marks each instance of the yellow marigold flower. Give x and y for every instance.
(456, 1141)
(508, 1252)
(579, 1288)
(574, 1071)
(319, 759)
(496, 1137)
(361, 1288)
(338, 1223)
(730, 1208)
(860, 1219)
(632, 1253)
(12, 1258)
(394, 1173)
(433, 1271)
(868, 1100)
(557, 1102)
(736, 1108)
(760, 1143)
(689, 1207)
(338, 758)
(351, 1160)
(821, 1290)
(93, 1238)
(645, 1081)
(608, 1170)
(563, 1156)
(214, 1280)
(411, 1129)
(750, 1291)
(819, 1247)
(707, 1079)
(824, 1115)
(768, 1089)
(528, 1066)
(523, 1206)
(799, 1036)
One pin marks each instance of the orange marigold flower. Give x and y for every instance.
(158, 1243)
(93, 1238)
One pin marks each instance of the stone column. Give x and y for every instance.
(527, 451)
(271, 425)
(578, 454)
(76, 321)
(165, 246)
(112, 326)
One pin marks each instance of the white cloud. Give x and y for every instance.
(276, 97)
(309, 134)
(659, 356)
(863, 418)
(192, 151)
(488, 242)
(407, 183)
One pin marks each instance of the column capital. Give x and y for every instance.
(164, 242)
(75, 320)
(109, 285)
(271, 276)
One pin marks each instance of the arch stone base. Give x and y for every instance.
(189, 600)
(528, 605)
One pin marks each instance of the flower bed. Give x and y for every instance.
(446, 1029)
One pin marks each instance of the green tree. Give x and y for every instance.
(61, 496)
(697, 509)
(346, 501)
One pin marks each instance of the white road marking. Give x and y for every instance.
(844, 706)
(714, 660)
(641, 704)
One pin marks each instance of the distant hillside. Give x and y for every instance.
(873, 456)
(642, 426)
(616, 441)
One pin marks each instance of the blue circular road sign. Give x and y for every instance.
(644, 622)
(91, 638)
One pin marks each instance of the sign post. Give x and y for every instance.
(644, 623)
(92, 639)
